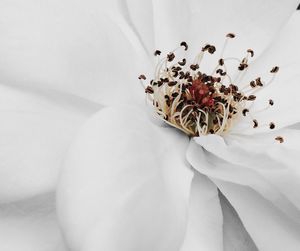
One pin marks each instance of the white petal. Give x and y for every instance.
(270, 229)
(35, 130)
(30, 225)
(140, 17)
(170, 19)
(235, 235)
(205, 223)
(254, 22)
(284, 90)
(84, 48)
(258, 162)
(124, 185)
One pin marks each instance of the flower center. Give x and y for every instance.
(198, 103)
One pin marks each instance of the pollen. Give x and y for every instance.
(200, 103)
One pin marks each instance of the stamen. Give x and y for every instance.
(184, 44)
(279, 139)
(157, 53)
(255, 123)
(198, 103)
(272, 125)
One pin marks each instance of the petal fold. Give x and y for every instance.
(205, 220)
(30, 225)
(125, 184)
(35, 130)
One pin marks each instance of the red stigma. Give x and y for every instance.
(200, 93)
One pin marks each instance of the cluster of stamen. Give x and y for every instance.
(198, 103)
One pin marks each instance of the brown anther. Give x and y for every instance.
(272, 125)
(255, 123)
(253, 84)
(157, 53)
(234, 88)
(170, 56)
(142, 77)
(184, 44)
(159, 83)
(205, 48)
(275, 69)
(245, 111)
(279, 139)
(211, 131)
(221, 72)
(251, 97)
(211, 49)
(271, 102)
(230, 35)
(258, 82)
(149, 89)
(183, 62)
(175, 94)
(221, 61)
(242, 66)
(194, 67)
(172, 83)
(251, 52)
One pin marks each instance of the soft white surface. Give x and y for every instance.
(205, 219)
(30, 225)
(52, 50)
(132, 195)
(36, 128)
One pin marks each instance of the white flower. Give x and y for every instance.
(126, 182)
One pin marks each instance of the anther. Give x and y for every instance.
(272, 125)
(194, 67)
(230, 35)
(157, 53)
(221, 72)
(245, 111)
(242, 66)
(149, 89)
(251, 97)
(221, 61)
(255, 123)
(275, 69)
(171, 56)
(184, 44)
(142, 77)
(210, 48)
(183, 62)
(271, 102)
(253, 84)
(258, 82)
(251, 52)
(279, 139)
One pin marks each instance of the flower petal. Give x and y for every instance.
(236, 236)
(268, 226)
(205, 224)
(259, 162)
(87, 49)
(284, 90)
(30, 225)
(255, 23)
(35, 130)
(125, 184)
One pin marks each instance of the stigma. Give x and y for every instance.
(200, 103)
